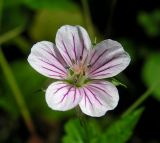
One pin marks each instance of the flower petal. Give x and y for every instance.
(98, 98)
(46, 59)
(62, 96)
(107, 59)
(73, 43)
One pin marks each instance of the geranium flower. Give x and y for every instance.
(81, 70)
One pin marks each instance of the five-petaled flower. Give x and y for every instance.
(81, 70)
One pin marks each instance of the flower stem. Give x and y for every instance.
(83, 123)
(140, 100)
(16, 92)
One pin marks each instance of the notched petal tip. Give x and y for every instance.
(98, 98)
(73, 42)
(45, 59)
(108, 59)
(62, 96)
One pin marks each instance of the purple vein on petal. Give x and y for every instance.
(66, 51)
(60, 88)
(103, 64)
(92, 56)
(66, 94)
(74, 48)
(99, 56)
(74, 94)
(97, 72)
(87, 98)
(52, 65)
(82, 49)
(93, 86)
(94, 95)
(52, 54)
(53, 71)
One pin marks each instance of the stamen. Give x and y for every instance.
(83, 72)
(67, 67)
(73, 61)
(80, 57)
(75, 80)
(89, 66)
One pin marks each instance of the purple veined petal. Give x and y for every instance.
(46, 59)
(62, 96)
(107, 59)
(98, 98)
(73, 43)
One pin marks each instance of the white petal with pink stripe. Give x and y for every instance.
(62, 96)
(46, 59)
(107, 59)
(98, 98)
(73, 43)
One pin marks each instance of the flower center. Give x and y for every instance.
(77, 74)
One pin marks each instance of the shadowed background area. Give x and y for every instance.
(24, 114)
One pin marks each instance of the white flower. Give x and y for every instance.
(80, 70)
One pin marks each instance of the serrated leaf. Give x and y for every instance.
(121, 130)
(74, 132)
(151, 73)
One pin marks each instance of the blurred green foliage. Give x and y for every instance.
(150, 22)
(39, 20)
(118, 132)
(47, 22)
(31, 85)
(151, 72)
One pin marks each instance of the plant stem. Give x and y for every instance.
(11, 34)
(83, 123)
(12, 82)
(16, 92)
(1, 6)
(140, 100)
(87, 17)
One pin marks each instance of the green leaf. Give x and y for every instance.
(11, 3)
(46, 23)
(30, 83)
(150, 22)
(14, 17)
(49, 4)
(74, 132)
(121, 130)
(151, 72)
(118, 83)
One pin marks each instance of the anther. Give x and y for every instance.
(80, 57)
(89, 65)
(73, 61)
(67, 67)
